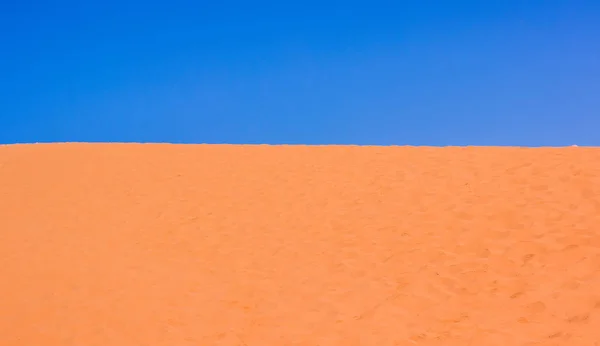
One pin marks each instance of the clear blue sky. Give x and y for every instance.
(409, 72)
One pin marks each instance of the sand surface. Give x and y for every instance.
(128, 245)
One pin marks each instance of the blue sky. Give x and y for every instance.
(404, 73)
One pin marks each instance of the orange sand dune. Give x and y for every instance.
(290, 245)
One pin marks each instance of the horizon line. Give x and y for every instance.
(297, 145)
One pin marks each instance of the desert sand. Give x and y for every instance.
(147, 244)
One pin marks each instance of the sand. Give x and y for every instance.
(145, 244)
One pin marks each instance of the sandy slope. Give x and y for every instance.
(226, 245)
